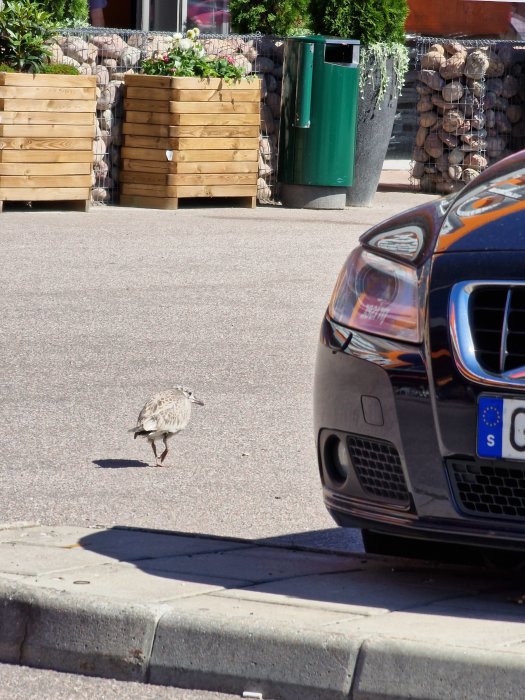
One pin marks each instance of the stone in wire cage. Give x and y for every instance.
(471, 97)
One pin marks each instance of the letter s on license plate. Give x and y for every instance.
(501, 428)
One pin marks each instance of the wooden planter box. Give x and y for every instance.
(187, 137)
(47, 127)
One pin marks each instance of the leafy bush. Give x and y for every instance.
(59, 69)
(4, 68)
(187, 58)
(369, 21)
(68, 12)
(25, 27)
(280, 17)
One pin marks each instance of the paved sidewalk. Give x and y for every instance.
(236, 616)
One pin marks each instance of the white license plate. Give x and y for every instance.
(501, 428)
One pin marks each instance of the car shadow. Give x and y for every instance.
(273, 567)
(120, 463)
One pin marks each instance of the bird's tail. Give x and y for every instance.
(138, 432)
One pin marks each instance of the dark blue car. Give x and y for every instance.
(420, 376)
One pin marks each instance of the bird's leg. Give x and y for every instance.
(153, 447)
(164, 454)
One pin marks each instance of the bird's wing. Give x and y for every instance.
(165, 412)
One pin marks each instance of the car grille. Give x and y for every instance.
(485, 489)
(378, 468)
(497, 320)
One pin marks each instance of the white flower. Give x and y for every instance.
(186, 44)
(177, 36)
(196, 31)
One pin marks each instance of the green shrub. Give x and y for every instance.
(25, 27)
(68, 12)
(60, 69)
(280, 17)
(4, 68)
(369, 21)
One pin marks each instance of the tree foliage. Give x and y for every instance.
(280, 17)
(369, 21)
(68, 12)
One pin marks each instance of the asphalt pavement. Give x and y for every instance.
(224, 573)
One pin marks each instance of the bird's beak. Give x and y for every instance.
(197, 401)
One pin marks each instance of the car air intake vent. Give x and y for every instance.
(497, 320)
(484, 489)
(378, 468)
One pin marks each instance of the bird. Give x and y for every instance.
(163, 415)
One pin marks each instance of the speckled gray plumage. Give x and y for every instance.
(163, 415)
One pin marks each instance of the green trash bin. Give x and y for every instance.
(318, 121)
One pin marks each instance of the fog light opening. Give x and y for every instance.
(337, 460)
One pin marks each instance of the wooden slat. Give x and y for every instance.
(145, 105)
(217, 143)
(216, 95)
(191, 190)
(189, 156)
(184, 144)
(44, 156)
(232, 131)
(129, 200)
(148, 93)
(202, 95)
(42, 194)
(23, 105)
(81, 118)
(188, 179)
(214, 107)
(22, 181)
(48, 144)
(26, 168)
(48, 130)
(145, 129)
(47, 80)
(215, 119)
(147, 117)
(133, 101)
(157, 81)
(154, 166)
(48, 93)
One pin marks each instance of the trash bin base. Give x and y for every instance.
(313, 197)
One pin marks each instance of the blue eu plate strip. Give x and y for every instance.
(490, 426)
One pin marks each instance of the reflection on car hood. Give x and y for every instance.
(488, 215)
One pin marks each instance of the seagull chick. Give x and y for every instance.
(164, 415)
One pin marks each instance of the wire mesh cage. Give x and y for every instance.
(471, 97)
(110, 54)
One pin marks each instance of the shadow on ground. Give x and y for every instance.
(272, 566)
(120, 463)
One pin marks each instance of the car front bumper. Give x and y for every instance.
(405, 419)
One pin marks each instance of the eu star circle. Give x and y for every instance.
(491, 416)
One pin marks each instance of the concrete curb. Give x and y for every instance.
(234, 616)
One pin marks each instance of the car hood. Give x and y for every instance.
(489, 214)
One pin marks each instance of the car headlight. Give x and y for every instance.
(379, 296)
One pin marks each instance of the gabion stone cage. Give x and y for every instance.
(471, 98)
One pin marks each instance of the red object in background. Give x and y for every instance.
(208, 15)
(459, 18)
